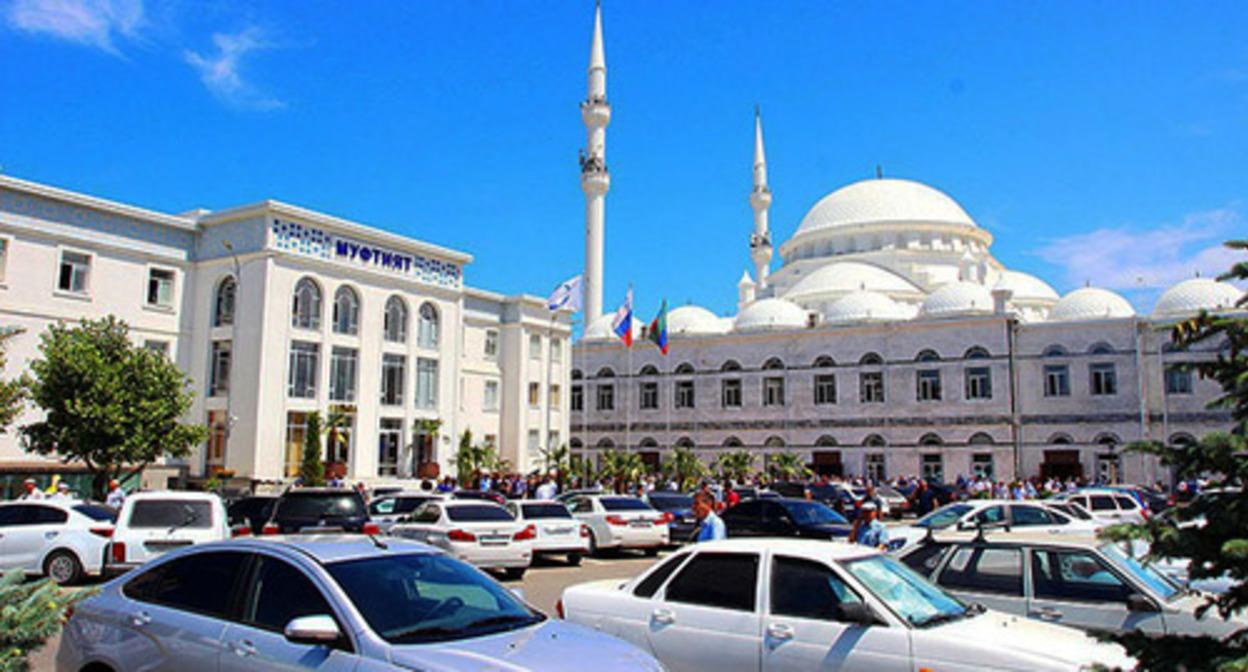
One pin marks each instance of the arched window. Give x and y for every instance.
(685, 369)
(976, 353)
(1183, 440)
(684, 442)
(733, 442)
(227, 294)
(824, 361)
(577, 374)
(927, 356)
(648, 443)
(306, 312)
(774, 363)
(427, 331)
(871, 359)
(774, 442)
(1109, 440)
(346, 311)
(606, 372)
(980, 439)
(1101, 348)
(825, 441)
(1061, 440)
(1055, 351)
(649, 370)
(606, 443)
(575, 444)
(874, 441)
(730, 365)
(395, 320)
(931, 440)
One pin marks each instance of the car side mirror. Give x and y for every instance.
(1138, 602)
(312, 630)
(859, 613)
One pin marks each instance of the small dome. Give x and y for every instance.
(1090, 303)
(1025, 287)
(770, 314)
(844, 277)
(884, 201)
(864, 306)
(958, 298)
(1192, 296)
(601, 328)
(693, 321)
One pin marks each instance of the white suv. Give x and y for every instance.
(151, 523)
(1108, 506)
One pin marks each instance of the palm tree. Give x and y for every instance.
(736, 465)
(787, 466)
(557, 459)
(338, 423)
(685, 466)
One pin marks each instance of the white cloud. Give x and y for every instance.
(1141, 262)
(221, 72)
(95, 23)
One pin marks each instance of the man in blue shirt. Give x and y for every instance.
(869, 531)
(710, 526)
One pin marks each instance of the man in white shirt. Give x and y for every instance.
(547, 490)
(31, 490)
(116, 496)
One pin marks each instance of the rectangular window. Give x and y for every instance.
(304, 363)
(219, 371)
(426, 383)
(75, 275)
(825, 389)
(214, 455)
(871, 387)
(552, 440)
(343, 365)
(981, 465)
(730, 393)
(535, 395)
(391, 438)
(928, 385)
(339, 439)
(934, 468)
(1178, 380)
(490, 402)
(534, 437)
(648, 399)
(773, 391)
(160, 288)
(606, 397)
(535, 347)
(554, 397)
(556, 351)
(979, 383)
(491, 344)
(4, 256)
(393, 379)
(684, 394)
(578, 398)
(1057, 380)
(1103, 378)
(159, 347)
(875, 467)
(296, 435)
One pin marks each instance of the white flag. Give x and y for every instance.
(567, 295)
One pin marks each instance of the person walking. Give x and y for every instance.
(116, 496)
(868, 530)
(30, 490)
(63, 493)
(710, 526)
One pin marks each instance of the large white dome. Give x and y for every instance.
(601, 329)
(958, 298)
(1025, 287)
(884, 201)
(844, 277)
(1192, 296)
(770, 314)
(1090, 303)
(864, 306)
(693, 321)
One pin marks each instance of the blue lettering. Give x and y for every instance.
(365, 254)
(341, 248)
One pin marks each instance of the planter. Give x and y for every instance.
(428, 470)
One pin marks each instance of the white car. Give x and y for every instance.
(61, 539)
(153, 523)
(1108, 507)
(557, 531)
(763, 605)
(476, 531)
(990, 513)
(389, 509)
(619, 521)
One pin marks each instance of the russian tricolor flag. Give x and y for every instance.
(622, 325)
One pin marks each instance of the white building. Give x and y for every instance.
(275, 311)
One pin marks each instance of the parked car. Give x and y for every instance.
(329, 602)
(479, 532)
(1074, 580)
(484, 495)
(682, 524)
(898, 504)
(63, 540)
(251, 513)
(320, 510)
(1107, 506)
(151, 524)
(569, 494)
(790, 604)
(557, 532)
(990, 513)
(784, 518)
(390, 509)
(619, 521)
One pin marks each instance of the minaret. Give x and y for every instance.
(760, 200)
(595, 180)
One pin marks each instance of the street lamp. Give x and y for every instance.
(229, 390)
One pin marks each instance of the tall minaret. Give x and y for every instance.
(760, 200)
(595, 180)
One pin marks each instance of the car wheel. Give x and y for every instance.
(652, 551)
(63, 567)
(593, 544)
(574, 559)
(514, 573)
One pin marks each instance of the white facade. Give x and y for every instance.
(425, 347)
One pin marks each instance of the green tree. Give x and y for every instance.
(787, 466)
(112, 405)
(12, 392)
(338, 424)
(312, 469)
(685, 466)
(622, 466)
(30, 613)
(473, 460)
(556, 459)
(735, 465)
(1212, 532)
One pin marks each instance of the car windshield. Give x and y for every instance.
(476, 513)
(321, 505)
(415, 598)
(624, 504)
(814, 513)
(910, 596)
(545, 511)
(669, 502)
(944, 516)
(1072, 510)
(1148, 574)
(171, 513)
(97, 512)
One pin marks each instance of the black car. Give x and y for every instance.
(320, 510)
(251, 512)
(683, 524)
(784, 518)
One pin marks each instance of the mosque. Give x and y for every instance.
(890, 342)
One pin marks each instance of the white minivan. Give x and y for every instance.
(151, 523)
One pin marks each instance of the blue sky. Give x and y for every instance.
(1099, 142)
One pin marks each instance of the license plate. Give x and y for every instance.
(162, 546)
(558, 530)
(640, 523)
(494, 539)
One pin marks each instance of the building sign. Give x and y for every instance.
(309, 241)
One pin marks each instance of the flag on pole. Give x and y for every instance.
(658, 329)
(622, 324)
(568, 295)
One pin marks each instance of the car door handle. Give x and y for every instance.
(664, 616)
(1047, 614)
(780, 631)
(141, 619)
(244, 648)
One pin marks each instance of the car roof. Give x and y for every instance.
(1022, 538)
(171, 494)
(457, 503)
(817, 548)
(328, 548)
